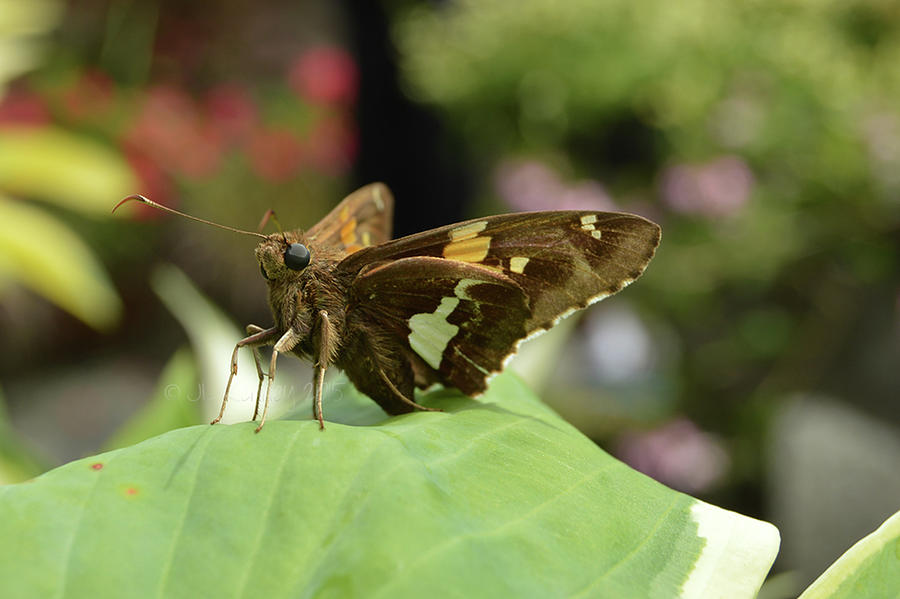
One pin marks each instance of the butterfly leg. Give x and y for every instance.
(326, 343)
(318, 384)
(252, 329)
(285, 343)
(259, 337)
(402, 397)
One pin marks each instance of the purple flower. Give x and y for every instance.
(531, 185)
(713, 189)
(677, 454)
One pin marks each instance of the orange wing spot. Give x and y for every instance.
(348, 232)
(352, 248)
(472, 249)
(345, 214)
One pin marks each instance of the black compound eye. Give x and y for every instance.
(296, 257)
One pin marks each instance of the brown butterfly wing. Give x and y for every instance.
(563, 260)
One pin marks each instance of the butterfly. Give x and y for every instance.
(450, 305)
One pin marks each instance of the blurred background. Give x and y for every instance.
(755, 365)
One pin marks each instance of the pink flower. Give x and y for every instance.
(531, 185)
(325, 75)
(719, 187)
(332, 145)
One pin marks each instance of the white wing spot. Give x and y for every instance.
(596, 234)
(589, 219)
(430, 333)
(518, 263)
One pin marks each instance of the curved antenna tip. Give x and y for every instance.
(136, 197)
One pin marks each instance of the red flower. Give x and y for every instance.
(23, 108)
(170, 130)
(231, 111)
(275, 155)
(333, 145)
(325, 75)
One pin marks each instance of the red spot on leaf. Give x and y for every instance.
(97, 466)
(131, 491)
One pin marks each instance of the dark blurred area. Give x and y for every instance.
(755, 365)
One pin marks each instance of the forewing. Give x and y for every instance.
(563, 260)
(364, 218)
(461, 319)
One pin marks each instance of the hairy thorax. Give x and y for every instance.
(296, 298)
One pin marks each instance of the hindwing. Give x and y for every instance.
(458, 321)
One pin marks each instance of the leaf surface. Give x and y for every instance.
(492, 497)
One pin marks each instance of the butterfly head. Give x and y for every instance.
(283, 255)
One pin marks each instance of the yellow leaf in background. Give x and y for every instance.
(44, 255)
(63, 168)
(20, 22)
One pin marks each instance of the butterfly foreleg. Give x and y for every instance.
(285, 343)
(257, 336)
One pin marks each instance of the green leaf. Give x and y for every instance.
(173, 405)
(871, 568)
(86, 176)
(490, 498)
(46, 256)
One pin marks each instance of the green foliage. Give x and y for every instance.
(791, 88)
(498, 497)
(59, 167)
(782, 117)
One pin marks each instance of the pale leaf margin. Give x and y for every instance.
(862, 559)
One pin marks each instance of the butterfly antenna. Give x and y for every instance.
(148, 202)
(270, 214)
